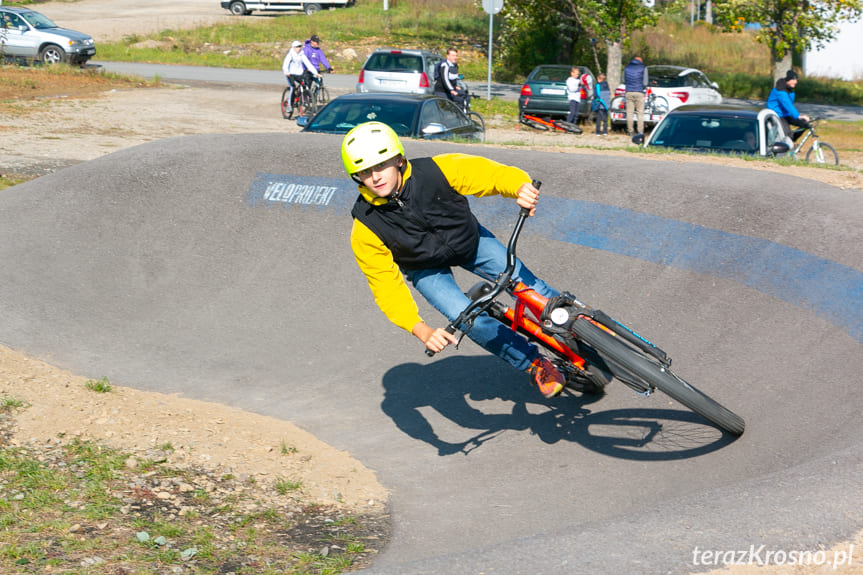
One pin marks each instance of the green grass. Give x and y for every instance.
(100, 386)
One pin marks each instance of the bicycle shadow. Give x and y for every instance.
(486, 397)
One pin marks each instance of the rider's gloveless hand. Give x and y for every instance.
(527, 197)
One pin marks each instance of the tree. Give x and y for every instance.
(611, 22)
(608, 23)
(789, 26)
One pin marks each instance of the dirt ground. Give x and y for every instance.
(62, 131)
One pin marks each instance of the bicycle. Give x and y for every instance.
(546, 124)
(474, 117)
(320, 94)
(655, 108)
(302, 97)
(820, 152)
(588, 346)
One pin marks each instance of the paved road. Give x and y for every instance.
(162, 267)
(346, 83)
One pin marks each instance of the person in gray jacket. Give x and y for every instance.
(636, 80)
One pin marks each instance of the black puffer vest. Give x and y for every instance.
(429, 225)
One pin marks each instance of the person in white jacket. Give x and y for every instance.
(573, 94)
(294, 66)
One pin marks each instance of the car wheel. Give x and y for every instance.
(238, 8)
(52, 54)
(312, 8)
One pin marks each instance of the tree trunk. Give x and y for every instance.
(615, 64)
(780, 67)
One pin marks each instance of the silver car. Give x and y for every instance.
(396, 70)
(28, 35)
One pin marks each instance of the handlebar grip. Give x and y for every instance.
(449, 329)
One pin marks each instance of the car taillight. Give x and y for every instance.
(360, 81)
(682, 96)
(526, 91)
(424, 80)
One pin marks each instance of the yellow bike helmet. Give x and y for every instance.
(368, 145)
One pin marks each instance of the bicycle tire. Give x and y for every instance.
(569, 127)
(534, 124)
(310, 104)
(658, 376)
(323, 96)
(476, 119)
(827, 155)
(287, 109)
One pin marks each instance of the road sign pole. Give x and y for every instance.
(490, 27)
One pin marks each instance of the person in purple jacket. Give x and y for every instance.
(312, 50)
(781, 101)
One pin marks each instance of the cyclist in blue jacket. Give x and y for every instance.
(781, 101)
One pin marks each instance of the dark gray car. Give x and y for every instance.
(29, 35)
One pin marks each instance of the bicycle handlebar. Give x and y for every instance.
(476, 307)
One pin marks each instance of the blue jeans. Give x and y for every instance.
(439, 288)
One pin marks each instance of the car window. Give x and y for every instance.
(13, 21)
(38, 21)
(665, 80)
(342, 116)
(431, 114)
(720, 133)
(394, 62)
(452, 116)
(551, 75)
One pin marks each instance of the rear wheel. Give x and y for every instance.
(656, 375)
(312, 9)
(287, 109)
(821, 153)
(532, 123)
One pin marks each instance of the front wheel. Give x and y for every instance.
(821, 153)
(312, 9)
(52, 54)
(310, 104)
(323, 96)
(568, 126)
(656, 375)
(476, 119)
(533, 123)
(237, 8)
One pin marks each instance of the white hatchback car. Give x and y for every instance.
(28, 35)
(669, 87)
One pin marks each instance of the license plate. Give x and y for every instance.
(392, 83)
(553, 91)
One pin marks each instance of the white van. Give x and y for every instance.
(243, 7)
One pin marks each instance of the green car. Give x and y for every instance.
(544, 93)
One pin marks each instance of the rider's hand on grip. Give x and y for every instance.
(450, 329)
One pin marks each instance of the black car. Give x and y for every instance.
(410, 115)
(544, 92)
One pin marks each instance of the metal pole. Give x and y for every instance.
(490, 25)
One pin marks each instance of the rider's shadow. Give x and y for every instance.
(483, 397)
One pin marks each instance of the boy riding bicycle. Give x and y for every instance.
(413, 222)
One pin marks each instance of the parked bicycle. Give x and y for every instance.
(546, 124)
(301, 97)
(819, 152)
(588, 347)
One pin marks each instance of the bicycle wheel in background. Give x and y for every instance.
(568, 126)
(533, 124)
(476, 119)
(638, 364)
(310, 104)
(323, 96)
(287, 109)
(821, 153)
